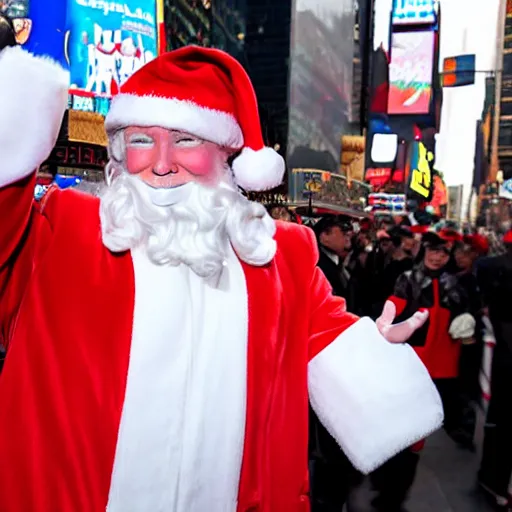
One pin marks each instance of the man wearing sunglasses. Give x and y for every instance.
(431, 286)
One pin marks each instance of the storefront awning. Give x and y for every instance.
(87, 127)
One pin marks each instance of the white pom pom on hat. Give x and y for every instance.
(258, 170)
(205, 92)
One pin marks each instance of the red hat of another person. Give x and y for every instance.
(418, 229)
(205, 92)
(507, 237)
(450, 235)
(477, 243)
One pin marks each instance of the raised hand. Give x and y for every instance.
(399, 333)
(7, 34)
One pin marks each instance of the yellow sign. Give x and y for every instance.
(421, 175)
(352, 157)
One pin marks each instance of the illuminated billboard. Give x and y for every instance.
(102, 42)
(106, 42)
(410, 72)
(414, 12)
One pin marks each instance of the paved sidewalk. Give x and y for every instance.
(446, 481)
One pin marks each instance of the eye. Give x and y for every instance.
(141, 140)
(188, 142)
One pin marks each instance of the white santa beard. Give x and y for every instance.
(196, 231)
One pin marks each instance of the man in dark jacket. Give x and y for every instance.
(334, 241)
(389, 263)
(332, 475)
(467, 253)
(495, 281)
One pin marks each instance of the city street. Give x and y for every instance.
(445, 481)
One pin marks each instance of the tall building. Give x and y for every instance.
(188, 22)
(267, 59)
(322, 55)
(300, 57)
(357, 81)
(229, 27)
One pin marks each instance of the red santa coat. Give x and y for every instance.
(68, 345)
(68, 340)
(70, 374)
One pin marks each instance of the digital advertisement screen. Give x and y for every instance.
(410, 73)
(107, 42)
(414, 12)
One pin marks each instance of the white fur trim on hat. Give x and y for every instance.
(212, 125)
(34, 99)
(258, 170)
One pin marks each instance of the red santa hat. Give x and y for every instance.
(507, 237)
(205, 92)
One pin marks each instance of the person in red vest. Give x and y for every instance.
(431, 287)
(172, 370)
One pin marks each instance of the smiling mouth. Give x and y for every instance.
(169, 187)
(164, 174)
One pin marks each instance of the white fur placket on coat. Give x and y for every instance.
(181, 436)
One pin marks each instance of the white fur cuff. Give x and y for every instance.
(374, 397)
(35, 95)
(174, 114)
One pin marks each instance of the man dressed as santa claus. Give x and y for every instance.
(171, 371)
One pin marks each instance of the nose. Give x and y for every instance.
(163, 169)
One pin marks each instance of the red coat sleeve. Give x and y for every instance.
(37, 92)
(16, 206)
(19, 228)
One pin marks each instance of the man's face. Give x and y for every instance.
(386, 245)
(363, 239)
(409, 245)
(464, 258)
(335, 240)
(436, 258)
(348, 235)
(280, 213)
(169, 158)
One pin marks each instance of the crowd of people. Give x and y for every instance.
(451, 274)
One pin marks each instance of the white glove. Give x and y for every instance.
(462, 326)
(399, 333)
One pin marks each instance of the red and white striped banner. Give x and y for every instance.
(486, 368)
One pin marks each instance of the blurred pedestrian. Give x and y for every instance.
(466, 254)
(332, 475)
(495, 281)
